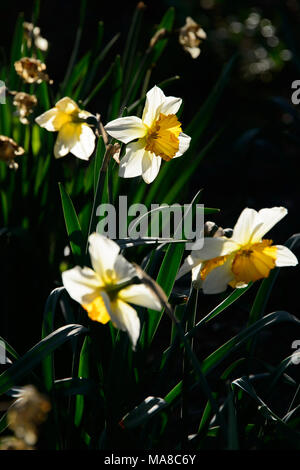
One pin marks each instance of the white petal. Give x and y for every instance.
(126, 129)
(266, 220)
(82, 284)
(154, 99)
(170, 105)
(64, 141)
(188, 265)
(139, 294)
(123, 269)
(52, 120)
(284, 257)
(246, 224)
(218, 279)
(67, 105)
(103, 252)
(213, 247)
(150, 167)
(85, 142)
(184, 143)
(126, 319)
(131, 164)
(196, 278)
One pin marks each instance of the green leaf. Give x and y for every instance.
(47, 328)
(34, 356)
(99, 85)
(83, 371)
(264, 292)
(16, 53)
(74, 386)
(73, 227)
(143, 412)
(116, 91)
(166, 278)
(166, 23)
(233, 344)
(266, 286)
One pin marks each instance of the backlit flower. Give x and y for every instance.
(25, 104)
(190, 37)
(159, 136)
(105, 291)
(32, 70)
(243, 258)
(9, 150)
(74, 134)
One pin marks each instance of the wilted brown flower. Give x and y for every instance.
(25, 104)
(32, 70)
(27, 413)
(12, 443)
(9, 149)
(190, 37)
(33, 33)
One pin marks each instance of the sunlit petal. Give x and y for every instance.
(126, 129)
(284, 257)
(82, 284)
(150, 167)
(218, 279)
(139, 294)
(266, 219)
(154, 99)
(131, 163)
(126, 319)
(103, 252)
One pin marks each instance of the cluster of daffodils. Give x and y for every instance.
(107, 290)
(241, 259)
(155, 137)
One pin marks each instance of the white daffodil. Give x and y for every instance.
(74, 134)
(159, 136)
(105, 291)
(241, 259)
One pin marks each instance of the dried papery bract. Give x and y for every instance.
(12, 443)
(191, 36)
(25, 104)
(27, 413)
(33, 35)
(32, 70)
(9, 149)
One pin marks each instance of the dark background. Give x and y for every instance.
(254, 163)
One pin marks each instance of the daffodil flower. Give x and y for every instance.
(74, 134)
(241, 259)
(159, 136)
(105, 291)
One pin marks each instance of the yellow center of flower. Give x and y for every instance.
(162, 137)
(97, 310)
(211, 264)
(250, 263)
(254, 262)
